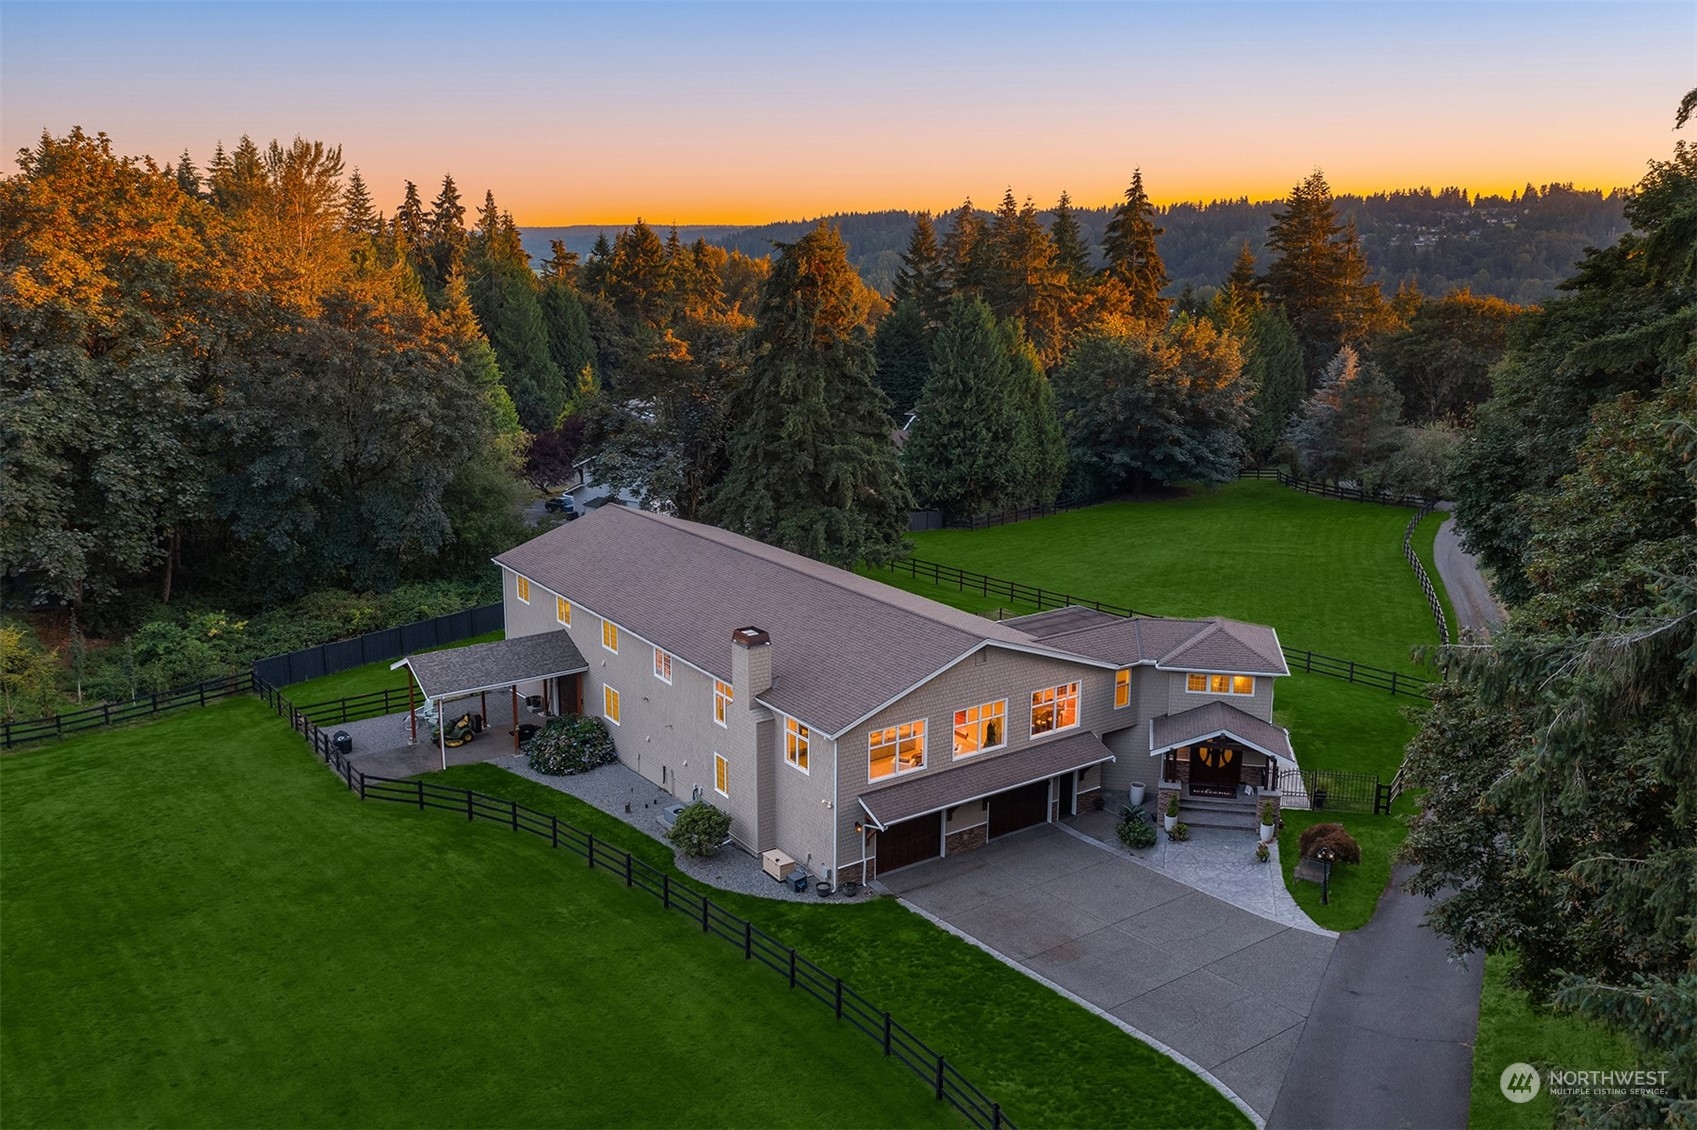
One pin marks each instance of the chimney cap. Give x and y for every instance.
(751, 637)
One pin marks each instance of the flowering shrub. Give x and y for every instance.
(573, 744)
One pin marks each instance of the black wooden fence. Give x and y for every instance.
(1328, 490)
(388, 643)
(111, 713)
(1019, 514)
(372, 704)
(897, 1041)
(1413, 559)
(1313, 662)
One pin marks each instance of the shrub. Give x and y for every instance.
(700, 829)
(1262, 853)
(1269, 812)
(1172, 805)
(573, 744)
(1181, 831)
(1135, 830)
(1329, 841)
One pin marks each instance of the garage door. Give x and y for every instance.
(1019, 808)
(909, 842)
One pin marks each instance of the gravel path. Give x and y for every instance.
(1475, 607)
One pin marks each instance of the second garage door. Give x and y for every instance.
(909, 842)
(1019, 808)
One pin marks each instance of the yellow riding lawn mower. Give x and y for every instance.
(460, 731)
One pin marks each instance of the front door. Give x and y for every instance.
(1215, 770)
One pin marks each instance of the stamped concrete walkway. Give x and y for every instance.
(1227, 989)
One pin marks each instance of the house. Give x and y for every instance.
(859, 728)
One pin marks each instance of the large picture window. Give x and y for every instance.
(1054, 708)
(896, 749)
(722, 699)
(980, 728)
(1197, 683)
(796, 740)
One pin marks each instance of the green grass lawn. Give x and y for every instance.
(363, 680)
(202, 928)
(1510, 1031)
(1355, 888)
(1328, 574)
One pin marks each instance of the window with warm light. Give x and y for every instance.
(1197, 683)
(896, 749)
(610, 636)
(523, 588)
(1054, 708)
(980, 728)
(1122, 688)
(721, 775)
(610, 705)
(662, 666)
(722, 699)
(796, 740)
(563, 610)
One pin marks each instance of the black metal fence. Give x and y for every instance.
(388, 643)
(1413, 559)
(1312, 662)
(896, 1040)
(111, 713)
(1333, 790)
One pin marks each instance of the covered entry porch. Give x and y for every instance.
(1218, 752)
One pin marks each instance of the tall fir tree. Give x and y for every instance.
(810, 464)
(598, 268)
(922, 278)
(1319, 275)
(1133, 260)
(1272, 366)
(1072, 255)
(188, 177)
(411, 225)
(1039, 455)
(963, 253)
(959, 453)
(358, 215)
(903, 353)
(446, 240)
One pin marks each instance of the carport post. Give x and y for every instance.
(442, 729)
(515, 718)
(483, 705)
(412, 711)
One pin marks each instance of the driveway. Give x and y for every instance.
(1470, 596)
(1225, 988)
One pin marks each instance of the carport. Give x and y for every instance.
(549, 658)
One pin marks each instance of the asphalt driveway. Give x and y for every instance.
(1227, 989)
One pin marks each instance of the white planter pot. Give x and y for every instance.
(1266, 832)
(1137, 793)
(1170, 821)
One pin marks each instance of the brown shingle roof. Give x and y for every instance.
(1170, 731)
(485, 666)
(842, 645)
(934, 792)
(1182, 645)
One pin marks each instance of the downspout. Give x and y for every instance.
(836, 820)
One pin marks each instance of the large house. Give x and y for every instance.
(858, 728)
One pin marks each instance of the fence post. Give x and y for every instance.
(629, 879)
(886, 1033)
(1393, 684)
(156, 702)
(666, 890)
(747, 939)
(362, 786)
(792, 967)
(839, 998)
(470, 813)
(705, 904)
(939, 1078)
(513, 805)
(553, 831)
(420, 795)
(202, 689)
(1352, 670)
(591, 851)
(996, 1116)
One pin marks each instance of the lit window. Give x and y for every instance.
(1220, 684)
(897, 749)
(1054, 708)
(796, 738)
(721, 775)
(980, 728)
(610, 636)
(1122, 688)
(524, 589)
(1196, 683)
(1243, 684)
(563, 610)
(662, 666)
(610, 704)
(722, 699)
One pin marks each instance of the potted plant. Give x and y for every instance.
(1269, 813)
(1262, 853)
(1179, 832)
(1172, 811)
(1138, 791)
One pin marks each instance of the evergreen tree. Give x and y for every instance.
(598, 268)
(1132, 257)
(570, 345)
(238, 182)
(1020, 279)
(1272, 366)
(561, 264)
(963, 255)
(903, 357)
(446, 239)
(1039, 456)
(411, 225)
(504, 297)
(922, 277)
(1347, 429)
(960, 451)
(636, 276)
(188, 178)
(1071, 254)
(358, 215)
(1319, 274)
(1240, 296)
(811, 464)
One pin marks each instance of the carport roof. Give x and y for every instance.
(934, 792)
(497, 665)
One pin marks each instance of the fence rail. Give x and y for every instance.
(112, 713)
(354, 708)
(897, 1041)
(1312, 662)
(1329, 490)
(1018, 514)
(1332, 790)
(1413, 559)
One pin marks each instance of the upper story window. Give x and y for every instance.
(896, 749)
(563, 610)
(662, 666)
(523, 588)
(796, 740)
(610, 704)
(722, 699)
(1122, 688)
(1054, 708)
(1197, 683)
(610, 636)
(980, 728)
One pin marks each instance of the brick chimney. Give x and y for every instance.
(751, 664)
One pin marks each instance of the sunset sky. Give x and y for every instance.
(718, 113)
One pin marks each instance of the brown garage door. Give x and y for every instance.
(1019, 808)
(909, 842)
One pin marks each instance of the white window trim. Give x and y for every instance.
(1228, 692)
(898, 772)
(720, 760)
(521, 589)
(558, 600)
(730, 699)
(1126, 671)
(616, 630)
(805, 770)
(1078, 715)
(667, 677)
(609, 689)
(980, 723)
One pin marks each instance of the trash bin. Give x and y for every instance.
(343, 743)
(799, 879)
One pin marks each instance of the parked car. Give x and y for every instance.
(562, 504)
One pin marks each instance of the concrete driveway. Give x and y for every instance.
(1225, 988)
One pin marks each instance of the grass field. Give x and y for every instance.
(1354, 890)
(363, 680)
(1329, 575)
(202, 928)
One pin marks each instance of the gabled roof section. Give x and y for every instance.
(842, 644)
(496, 665)
(1218, 719)
(1215, 644)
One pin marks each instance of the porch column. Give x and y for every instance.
(515, 718)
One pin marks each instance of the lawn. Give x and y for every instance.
(1510, 1031)
(363, 680)
(1354, 889)
(203, 928)
(1328, 574)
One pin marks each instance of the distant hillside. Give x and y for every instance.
(581, 237)
(1517, 247)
